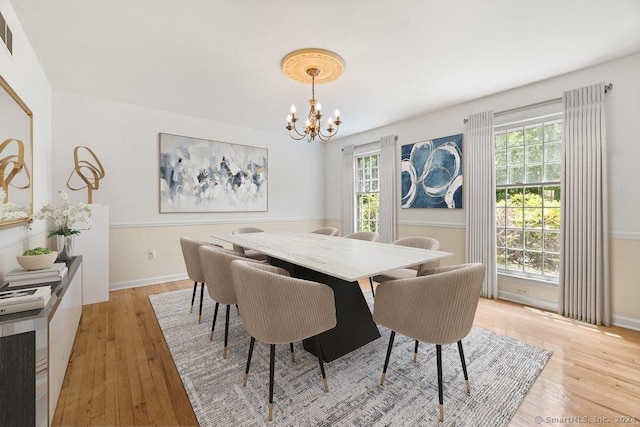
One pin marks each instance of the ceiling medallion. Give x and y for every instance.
(313, 66)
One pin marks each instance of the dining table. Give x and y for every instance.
(339, 263)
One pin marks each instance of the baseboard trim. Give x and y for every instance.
(147, 282)
(620, 321)
(626, 322)
(527, 300)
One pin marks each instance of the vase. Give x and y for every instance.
(65, 247)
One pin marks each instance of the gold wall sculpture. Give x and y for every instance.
(89, 171)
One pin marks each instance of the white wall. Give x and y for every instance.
(23, 73)
(622, 113)
(125, 139)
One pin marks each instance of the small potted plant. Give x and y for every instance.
(64, 217)
(37, 258)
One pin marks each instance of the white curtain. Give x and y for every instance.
(387, 180)
(584, 257)
(480, 204)
(347, 190)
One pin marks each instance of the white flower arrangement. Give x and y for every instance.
(65, 216)
(11, 211)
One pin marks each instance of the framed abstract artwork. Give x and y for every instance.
(201, 175)
(432, 173)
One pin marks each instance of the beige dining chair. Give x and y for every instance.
(328, 231)
(371, 236)
(437, 308)
(409, 272)
(216, 265)
(248, 253)
(194, 268)
(277, 309)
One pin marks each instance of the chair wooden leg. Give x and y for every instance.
(293, 355)
(464, 367)
(319, 351)
(201, 298)
(246, 371)
(272, 364)
(213, 324)
(440, 394)
(193, 297)
(386, 360)
(415, 352)
(226, 333)
(371, 284)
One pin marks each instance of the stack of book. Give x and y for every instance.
(14, 301)
(20, 277)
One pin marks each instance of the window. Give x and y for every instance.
(528, 168)
(367, 192)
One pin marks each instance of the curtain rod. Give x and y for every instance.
(368, 143)
(607, 88)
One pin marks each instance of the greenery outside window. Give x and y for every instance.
(528, 164)
(367, 192)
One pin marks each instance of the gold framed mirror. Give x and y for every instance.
(16, 153)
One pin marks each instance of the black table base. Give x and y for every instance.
(355, 326)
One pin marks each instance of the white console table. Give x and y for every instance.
(35, 347)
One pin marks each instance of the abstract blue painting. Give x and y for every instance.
(200, 175)
(432, 173)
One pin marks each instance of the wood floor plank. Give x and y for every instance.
(156, 388)
(91, 350)
(594, 371)
(132, 351)
(98, 406)
(69, 414)
(111, 408)
(123, 401)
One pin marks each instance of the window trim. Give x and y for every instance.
(356, 187)
(536, 278)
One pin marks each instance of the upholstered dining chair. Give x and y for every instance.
(409, 272)
(216, 266)
(329, 231)
(194, 268)
(276, 309)
(248, 253)
(371, 236)
(437, 308)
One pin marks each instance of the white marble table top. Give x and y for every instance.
(347, 259)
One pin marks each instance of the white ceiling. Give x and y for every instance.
(220, 59)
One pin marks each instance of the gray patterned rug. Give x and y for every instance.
(501, 372)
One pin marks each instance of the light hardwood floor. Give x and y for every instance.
(121, 371)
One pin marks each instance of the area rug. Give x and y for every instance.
(501, 372)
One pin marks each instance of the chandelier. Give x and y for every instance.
(313, 66)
